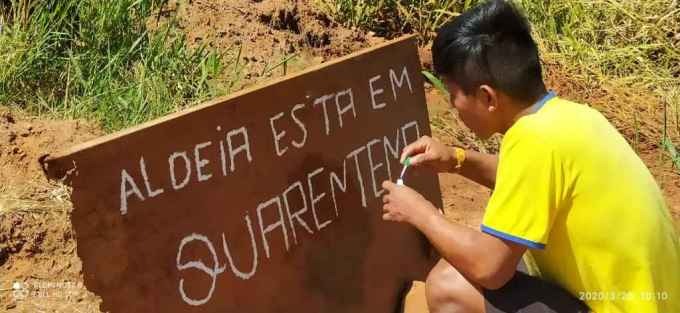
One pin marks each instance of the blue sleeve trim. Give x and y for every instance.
(515, 239)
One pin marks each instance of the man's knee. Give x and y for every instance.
(448, 291)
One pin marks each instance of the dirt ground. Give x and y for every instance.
(39, 269)
(258, 36)
(37, 250)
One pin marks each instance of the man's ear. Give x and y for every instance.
(488, 96)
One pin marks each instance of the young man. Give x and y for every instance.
(569, 192)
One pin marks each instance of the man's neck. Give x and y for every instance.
(522, 109)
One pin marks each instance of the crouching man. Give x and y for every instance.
(569, 193)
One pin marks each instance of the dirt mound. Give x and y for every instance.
(23, 140)
(38, 262)
(269, 38)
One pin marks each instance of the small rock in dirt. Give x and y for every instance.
(11, 136)
(265, 18)
(8, 117)
(323, 19)
(318, 40)
(4, 255)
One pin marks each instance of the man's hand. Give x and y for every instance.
(483, 259)
(478, 167)
(430, 152)
(403, 204)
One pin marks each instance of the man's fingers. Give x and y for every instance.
(419, 146)
(387, 217)
(421, 158)
(386, 198)
(388, 185)
(386, 208)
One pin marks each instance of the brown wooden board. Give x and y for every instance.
(265, 201)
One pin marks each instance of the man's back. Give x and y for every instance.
(596, 210)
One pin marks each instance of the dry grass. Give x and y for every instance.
(35, 197)
(620, 56)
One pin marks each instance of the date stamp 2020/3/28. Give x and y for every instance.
(624, 296)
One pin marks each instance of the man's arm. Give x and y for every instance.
(478, 167)
(485, 260)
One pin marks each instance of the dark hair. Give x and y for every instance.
(490, 44)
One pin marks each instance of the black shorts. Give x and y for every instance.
(528, 294)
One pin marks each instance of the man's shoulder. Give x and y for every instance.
(561, 110)
(558, 118)
(560, 124)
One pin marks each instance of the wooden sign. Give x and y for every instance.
(265, 201)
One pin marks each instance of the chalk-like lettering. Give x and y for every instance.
(199, 265)
(323, 101)
(223, 158)
(315, 199)
(277, 135)
(377, 192)
(407, 126)
(301, 143)
(349, 106)
(151, 193)
(173, 174)
(200, 163)
(399, 81)
(374, 92)
(355, 154)
(296, 215)
(125, 181)
(335, 181)
(245, 147)
(279, 223)
(253, 267)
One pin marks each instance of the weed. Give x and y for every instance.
(99, 59)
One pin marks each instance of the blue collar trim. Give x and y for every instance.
(540, 103)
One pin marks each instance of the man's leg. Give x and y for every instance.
(528, 294)
(447, 291)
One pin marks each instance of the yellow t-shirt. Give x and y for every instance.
(571, 189)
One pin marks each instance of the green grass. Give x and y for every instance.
(99, 59)
(436, 82)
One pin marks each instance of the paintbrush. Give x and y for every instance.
(407, 162)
